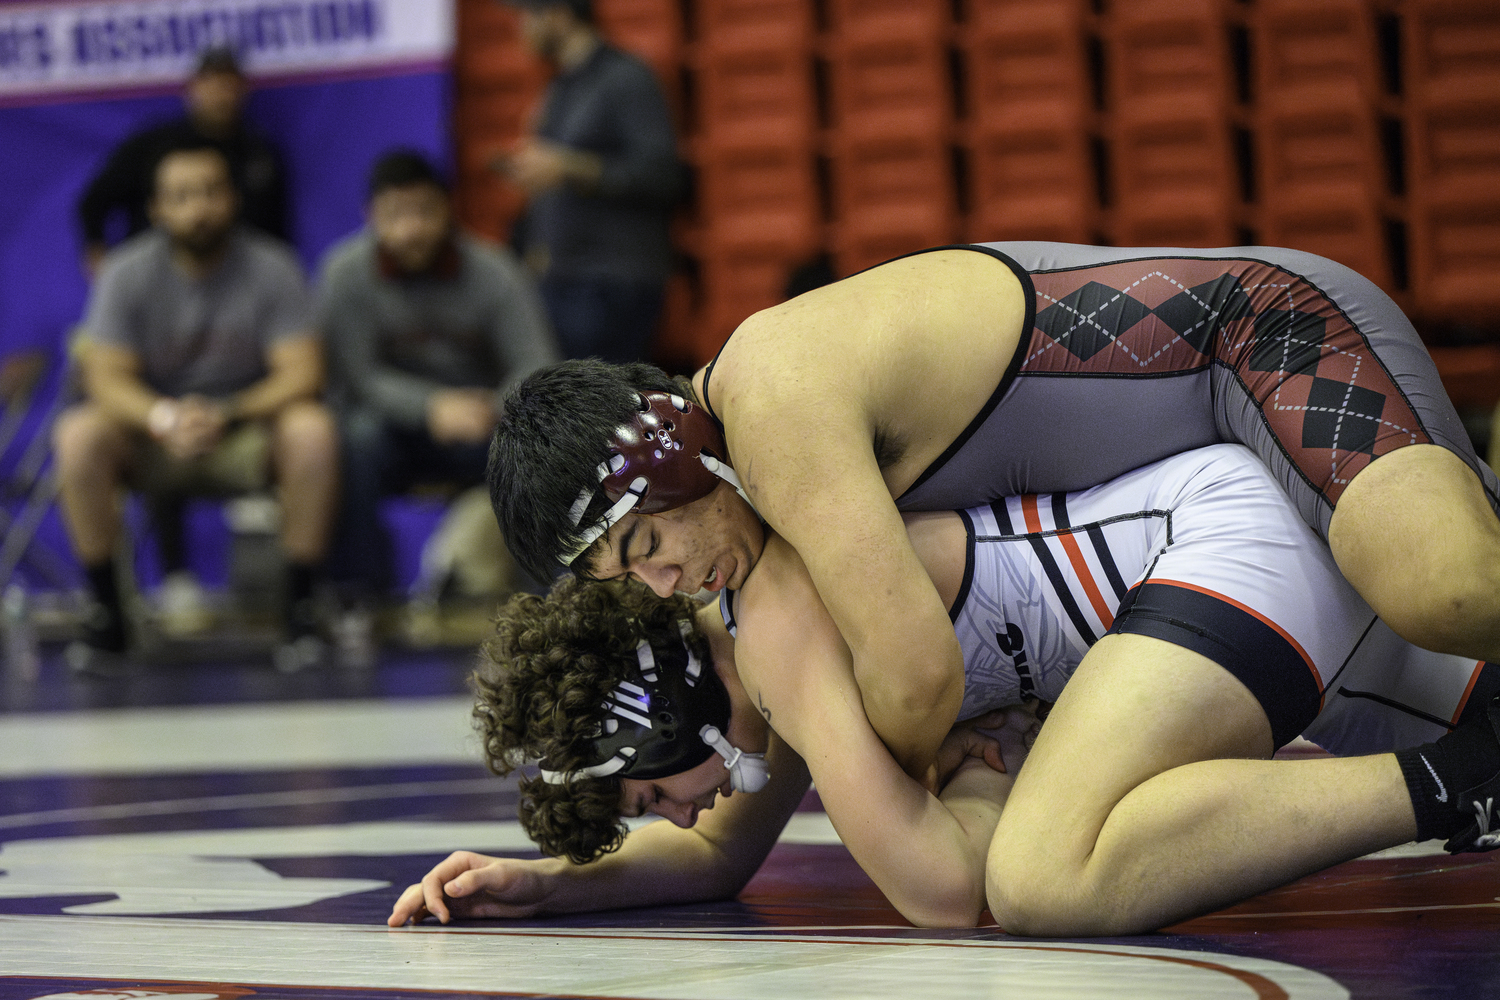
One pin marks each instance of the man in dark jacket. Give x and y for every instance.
(602, 174)
(215, 99)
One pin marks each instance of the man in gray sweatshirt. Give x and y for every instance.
(428, 329)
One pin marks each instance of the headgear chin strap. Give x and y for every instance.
(639, 737)
(747, 771)
(670, 455)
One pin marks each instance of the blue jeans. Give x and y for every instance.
(603, 318)
(379, 459)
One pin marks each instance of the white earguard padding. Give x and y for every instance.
(747, 771)
(647, 660)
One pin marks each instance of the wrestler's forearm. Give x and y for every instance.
(906, 657)
(912, 691)
(976, 797)
(660, 864)
(906, 725)
(927, 855)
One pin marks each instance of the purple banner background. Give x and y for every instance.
(328, 132)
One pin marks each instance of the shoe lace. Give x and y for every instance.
(1486, 838)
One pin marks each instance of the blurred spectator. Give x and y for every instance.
(215, 97)
(201, 368)
(428, 328)
(602, 175)
(1494, 450)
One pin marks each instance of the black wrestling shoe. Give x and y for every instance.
(301, 646)
(101, 650)
(1481, 804)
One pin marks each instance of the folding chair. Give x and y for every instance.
(30, 480)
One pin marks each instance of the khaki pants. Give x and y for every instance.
(239, 463)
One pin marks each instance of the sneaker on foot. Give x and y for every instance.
(354, 637)
(82, 658)
(101, 649)
(181, 606)
(298, 654)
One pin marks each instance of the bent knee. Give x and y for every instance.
(306, 427)
(1041, 900)
(1445, 612)
(1024, 900)
(85, 435)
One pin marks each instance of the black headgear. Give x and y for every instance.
(668, 720)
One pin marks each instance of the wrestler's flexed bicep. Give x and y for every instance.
(922, 852)
(834, 403)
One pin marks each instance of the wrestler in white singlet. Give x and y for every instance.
(1205, 551)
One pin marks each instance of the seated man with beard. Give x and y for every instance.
(202, 372)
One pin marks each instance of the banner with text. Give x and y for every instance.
(60, 49)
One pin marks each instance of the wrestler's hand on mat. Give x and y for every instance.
(466, 885)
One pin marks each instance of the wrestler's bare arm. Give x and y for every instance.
(658, 864)
(927, 855)
(898, 359)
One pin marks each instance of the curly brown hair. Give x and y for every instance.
(542, 680)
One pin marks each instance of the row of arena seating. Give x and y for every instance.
(1365, 130)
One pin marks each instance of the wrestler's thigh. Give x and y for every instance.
(1135, 707)
(1416, 536)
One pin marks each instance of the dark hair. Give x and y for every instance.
(555, 431)
(581, 9)
(540, 688)
(402, 168)
(188, 143)
(218, 59)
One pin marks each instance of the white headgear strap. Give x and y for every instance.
(747, 771)
(620, 759)
(626, 503)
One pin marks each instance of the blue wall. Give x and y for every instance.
(328, 132)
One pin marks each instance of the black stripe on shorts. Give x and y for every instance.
(1060, 587)
(1258, 656)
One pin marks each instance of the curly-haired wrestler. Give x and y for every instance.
(1183, 618)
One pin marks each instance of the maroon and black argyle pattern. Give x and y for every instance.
(1324, 393)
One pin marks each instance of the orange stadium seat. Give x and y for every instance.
(756, 24)
(1452, 103)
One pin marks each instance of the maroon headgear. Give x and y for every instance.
(670, 455)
